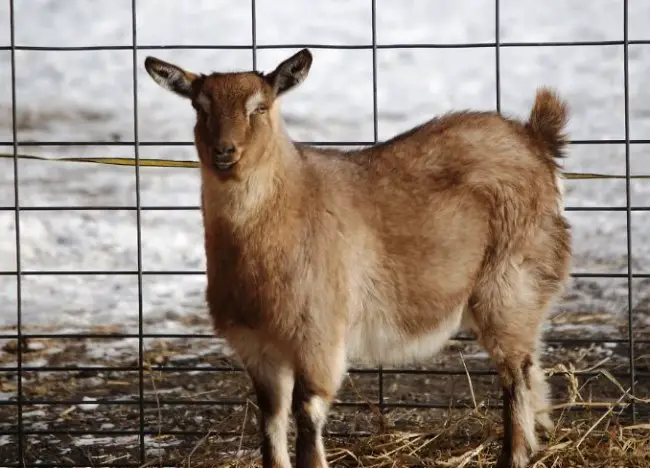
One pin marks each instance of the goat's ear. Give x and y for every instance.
(291, 72)
(170, 76)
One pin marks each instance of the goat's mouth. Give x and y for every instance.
(223, 166)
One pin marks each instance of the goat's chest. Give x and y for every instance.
(246, 288)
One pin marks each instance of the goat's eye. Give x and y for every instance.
(261, 109)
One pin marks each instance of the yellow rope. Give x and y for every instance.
(192, 164)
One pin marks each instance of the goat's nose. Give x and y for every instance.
(224, 151)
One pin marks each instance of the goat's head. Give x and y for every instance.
(232, 109)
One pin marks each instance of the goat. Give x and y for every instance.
(317, 259)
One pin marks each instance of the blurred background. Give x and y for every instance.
(65, 97)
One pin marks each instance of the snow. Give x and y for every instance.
(82, 96)
(88, 406)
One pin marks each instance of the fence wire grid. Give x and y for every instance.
(21, 430)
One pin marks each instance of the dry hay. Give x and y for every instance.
(595, 436)
(592, 418)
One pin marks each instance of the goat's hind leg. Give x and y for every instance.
(519, 439)
(512, 347)
(541, 396)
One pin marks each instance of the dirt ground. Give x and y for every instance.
(199, 411)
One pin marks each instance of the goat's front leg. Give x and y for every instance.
(318, 378)
(273, 383)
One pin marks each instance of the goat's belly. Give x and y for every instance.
(375, 340)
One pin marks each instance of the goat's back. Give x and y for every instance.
(433, 216)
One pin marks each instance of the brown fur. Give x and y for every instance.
(316, 258)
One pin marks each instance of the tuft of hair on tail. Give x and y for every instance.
(547, 120)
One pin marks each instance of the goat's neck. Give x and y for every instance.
(269, 186)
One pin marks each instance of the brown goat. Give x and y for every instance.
(317, 259)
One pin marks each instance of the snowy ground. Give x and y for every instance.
(82, 96)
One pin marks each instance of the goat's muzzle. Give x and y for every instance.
(224, 157)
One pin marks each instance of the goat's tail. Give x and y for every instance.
(547, 120)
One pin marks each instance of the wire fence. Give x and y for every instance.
(22, 431)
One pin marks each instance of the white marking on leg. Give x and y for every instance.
(520, 459)
(277, 424)
(525, 416)
(540, 397)
(317, 409)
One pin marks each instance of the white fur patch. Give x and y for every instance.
(278, 424)
(524, 413)
(203, 101)
(375, 339)
(253, 101)
(251, 197)
(540, 397)
(373, 336)
(317, 409)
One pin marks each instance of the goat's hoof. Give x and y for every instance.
(509, 460)
(545, 426)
